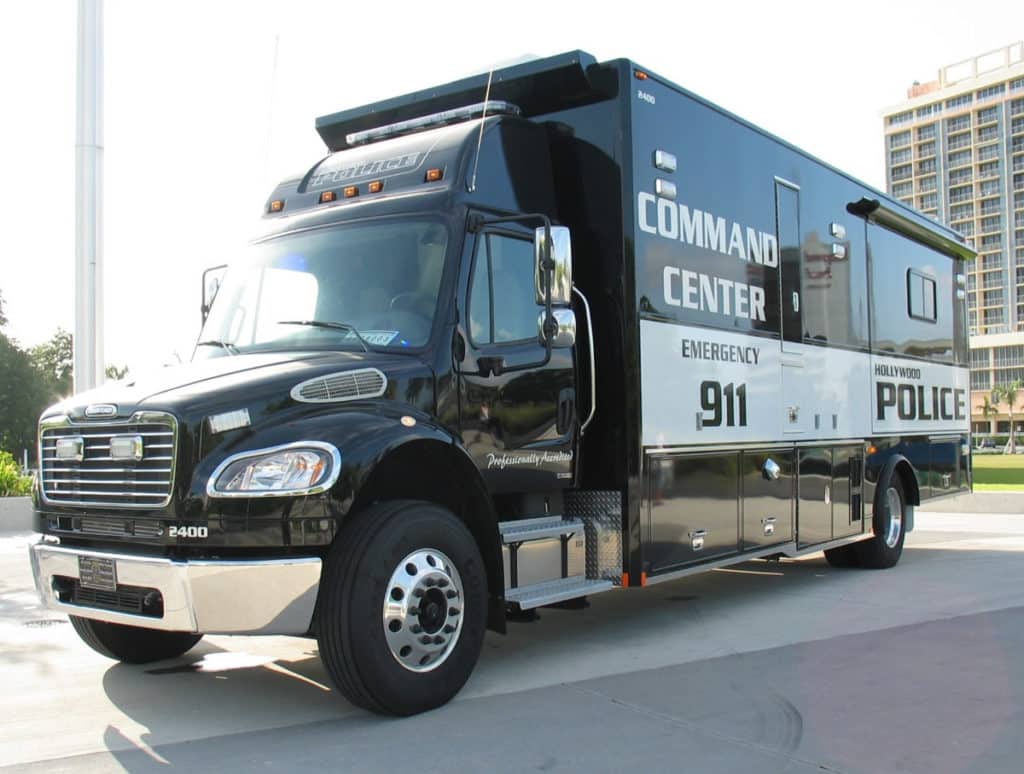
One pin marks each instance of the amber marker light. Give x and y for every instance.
(328, 196)
(872, 449)
(350, 191)
(640, 75)
(276, 206)
(376, 186)
(433, 175)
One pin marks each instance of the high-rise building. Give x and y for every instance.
(955, 150)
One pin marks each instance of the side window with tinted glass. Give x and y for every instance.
(502, 307)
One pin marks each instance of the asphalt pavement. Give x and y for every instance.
(768, 666)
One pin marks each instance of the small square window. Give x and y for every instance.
(921, 296)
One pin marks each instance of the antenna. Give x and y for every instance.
(270, 111)
(480, 138)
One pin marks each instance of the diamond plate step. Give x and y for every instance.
(559, 590)
(537, 529)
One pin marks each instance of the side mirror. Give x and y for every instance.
(562, 332)
(211, 284)
(560, 254)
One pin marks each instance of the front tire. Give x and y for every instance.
(132, 644)
(885, 548)
(403, 607)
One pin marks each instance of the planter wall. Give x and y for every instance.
(15, 514)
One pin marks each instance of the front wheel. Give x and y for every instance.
(132, 644)
(402, 607)
(885, 548)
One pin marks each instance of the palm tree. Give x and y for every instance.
(997, 398)
(1008, 393)
(988, 410)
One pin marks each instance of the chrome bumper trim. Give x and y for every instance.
(271, 596)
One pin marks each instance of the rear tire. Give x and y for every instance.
(884, 549)
(843, 556)
(402, 608)
(132, 644)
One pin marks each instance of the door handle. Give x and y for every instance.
(491, 365)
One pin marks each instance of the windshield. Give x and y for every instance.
(352, 287)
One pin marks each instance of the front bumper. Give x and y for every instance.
(269, 596)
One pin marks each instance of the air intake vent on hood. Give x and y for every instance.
(340, 387)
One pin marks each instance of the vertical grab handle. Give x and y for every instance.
(593, 367)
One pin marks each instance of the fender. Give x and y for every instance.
(389, 451)
(427, 462)
(899, 465)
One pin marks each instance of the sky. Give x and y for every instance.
(208, 103)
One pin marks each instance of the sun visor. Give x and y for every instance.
(539, 86)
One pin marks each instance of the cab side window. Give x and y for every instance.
(502, 307)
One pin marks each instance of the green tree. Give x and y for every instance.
(113, 372)
(988, 410)
(55, 360)
(12, 482)
(23, 394)
(1007, 393)
(1009, 396)
(997, 398)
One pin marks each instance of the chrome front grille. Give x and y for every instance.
(94, 478)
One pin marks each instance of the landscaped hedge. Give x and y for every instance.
(12, 483)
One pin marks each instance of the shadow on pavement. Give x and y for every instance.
(739, 663)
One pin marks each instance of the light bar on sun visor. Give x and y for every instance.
(491, 107)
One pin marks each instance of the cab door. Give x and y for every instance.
(517, 419)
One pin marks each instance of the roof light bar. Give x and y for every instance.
(445, 117)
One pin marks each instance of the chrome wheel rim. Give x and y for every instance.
(895, 507)
(423, 610)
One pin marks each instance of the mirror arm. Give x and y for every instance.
(204, 308)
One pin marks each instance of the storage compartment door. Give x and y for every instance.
(814, 505)
(694, 514)
(768, 486)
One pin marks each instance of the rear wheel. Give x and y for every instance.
(132, 644)
(843, 556)
(402, 607)
(885, 548)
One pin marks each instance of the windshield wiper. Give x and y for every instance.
(329, 324)
(227, 346)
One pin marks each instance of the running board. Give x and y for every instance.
(538, 529)
(552, 591)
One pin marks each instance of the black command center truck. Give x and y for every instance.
(514, 340)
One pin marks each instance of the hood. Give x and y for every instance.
(224, 378)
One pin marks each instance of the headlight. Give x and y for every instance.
(296, 469)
